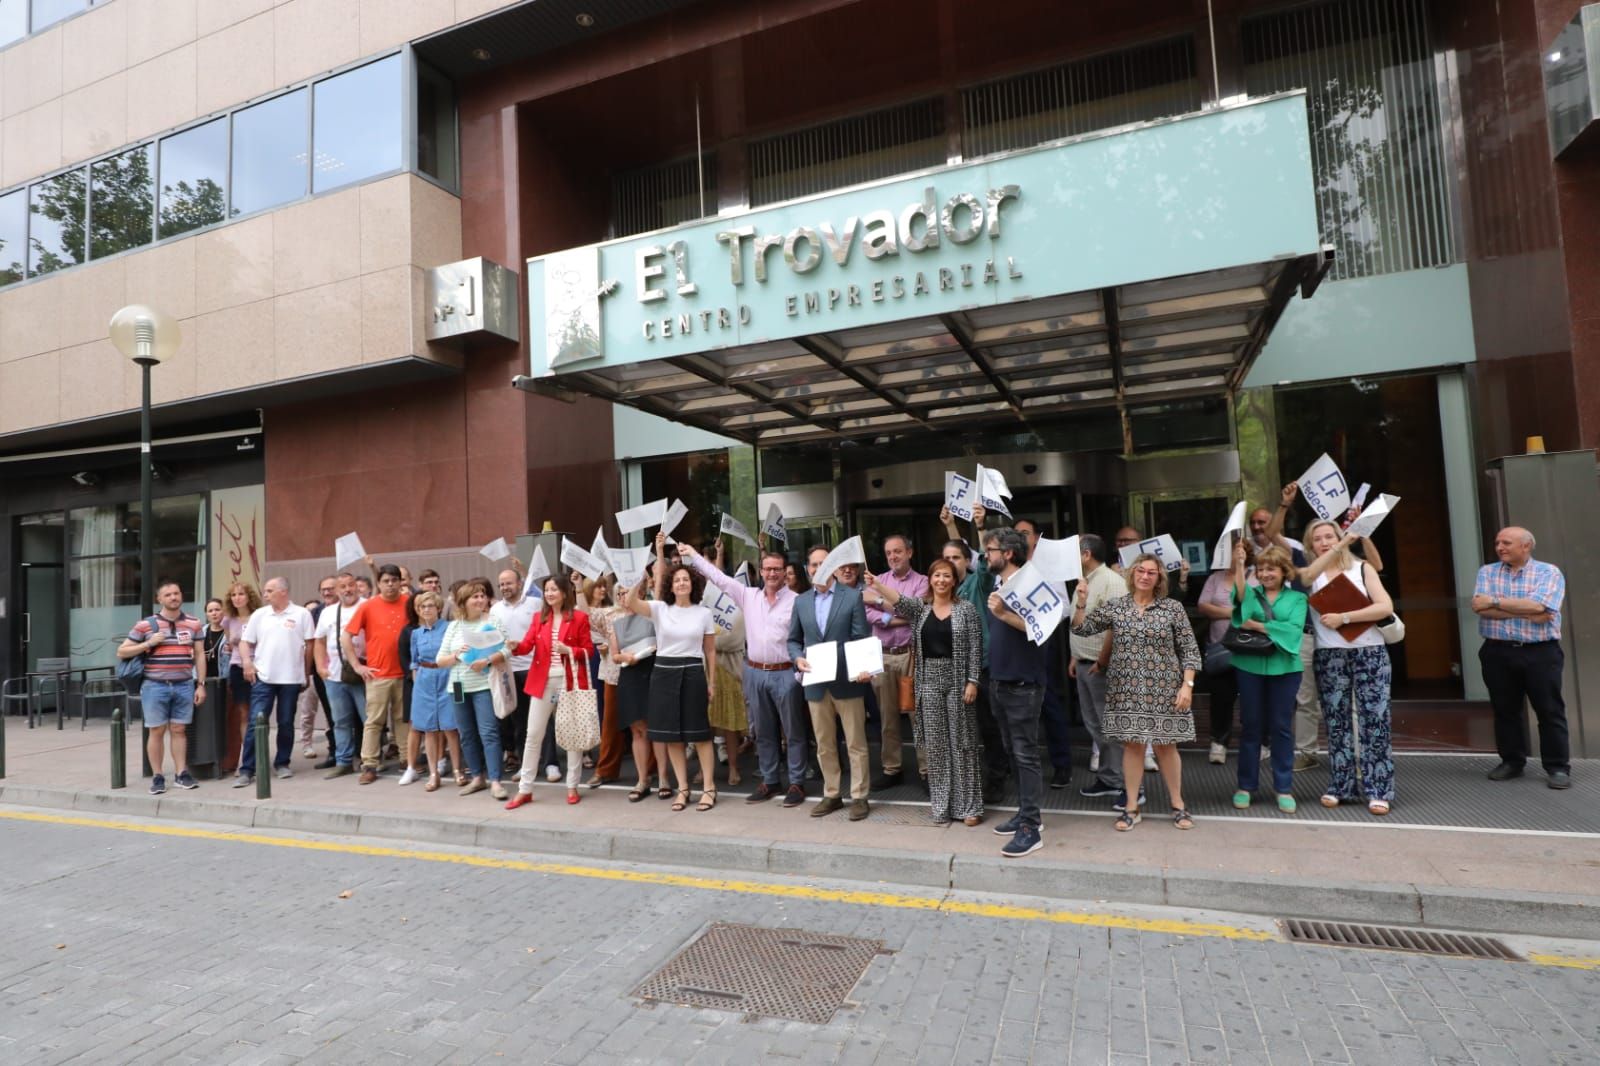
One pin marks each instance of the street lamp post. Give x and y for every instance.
(146, 336)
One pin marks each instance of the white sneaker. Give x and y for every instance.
(310, 753)
(409, 776)
(1219, 754)
(1149, 760)
(282, 772)
(552, 772)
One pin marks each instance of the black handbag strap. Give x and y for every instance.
(1266, 604)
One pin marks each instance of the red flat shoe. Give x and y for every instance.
(572, 797)
(520, 799)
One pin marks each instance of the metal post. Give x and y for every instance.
(147, 591)
(263, 759)
(2, 745)
(119, 749)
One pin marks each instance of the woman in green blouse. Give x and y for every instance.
(1268, 682)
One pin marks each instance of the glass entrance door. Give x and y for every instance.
(41, 583)
(1192, 518)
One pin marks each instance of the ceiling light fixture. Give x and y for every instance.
(480, 54)
(585, 19)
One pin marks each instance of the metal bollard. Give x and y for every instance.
(2, 745)
(263, 759)
(119, 749)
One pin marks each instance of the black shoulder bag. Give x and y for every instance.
(1247, 641)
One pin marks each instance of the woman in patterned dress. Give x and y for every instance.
(947, 660)
(1151, 679)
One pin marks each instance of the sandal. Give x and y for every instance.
(1329, 800)
(1127, 820)
(1378, 807)
(462, 779)
(664, 793)
(433, 783)
(708, 800)
(637, 794)
(679, 805)
(1182, 818)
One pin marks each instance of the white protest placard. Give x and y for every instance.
(642, 517)
(992, 490)
(495, 549)
(742, 575)
(1359, 500)
(538, 570)
(629, 564)
(863, 656)
(1042, 603)
(824, 662)
(1058, 560)
(732, 525)
(773, 526)
(720, 604)
(1222, 554)
(960, 493)
(1163, 548)
(575, 558)
(674, 515)
(347, 551)
(1323, 487)
(850, 551)
(600, 550)
(1375, 513)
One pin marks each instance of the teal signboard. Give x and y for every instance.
(1216, 189)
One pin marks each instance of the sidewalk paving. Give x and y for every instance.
(1460, 876)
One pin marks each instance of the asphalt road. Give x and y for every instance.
(147, 942)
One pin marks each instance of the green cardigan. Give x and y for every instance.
(1285, 631)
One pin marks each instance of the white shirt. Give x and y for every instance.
(681, 631)
(278, 644)
(328, 633)
(1330, 638)
(515, 618)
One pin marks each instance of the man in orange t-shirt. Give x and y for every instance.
(381, 619)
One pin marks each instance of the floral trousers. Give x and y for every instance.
(1361, 676)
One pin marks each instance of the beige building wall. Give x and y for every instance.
(324, 285)
(128, 69)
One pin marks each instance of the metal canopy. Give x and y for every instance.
(1125, 346)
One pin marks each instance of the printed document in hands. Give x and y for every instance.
(1222, 554)
(629, 564)
(482, 641)
(960, 493)
(675, 514)
(850, 551)
(1323, 488)
(824, 662)
(1058, 560)
(864, 656)
(773, 526)
(538, 570)
(575, 558)
(732, 525)
(1375, 513)
(496, 549)
(1163, 548)
(724, 611)
(642, 517)
(992, 490)
(1042, 603)
(347, 551)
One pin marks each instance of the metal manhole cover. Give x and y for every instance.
(898, 814)
(778, 973)
(1392, 938)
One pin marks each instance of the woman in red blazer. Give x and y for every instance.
(561, 646)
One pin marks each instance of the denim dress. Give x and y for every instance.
(431, 709)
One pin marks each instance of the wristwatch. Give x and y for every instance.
(1494, 603)
(1346, 617)
(1189, 681)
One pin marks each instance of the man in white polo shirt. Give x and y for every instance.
(275, 653)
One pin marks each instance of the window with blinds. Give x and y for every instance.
(1377, 147)
(665, 194)
(847, 151)
(1098, 92)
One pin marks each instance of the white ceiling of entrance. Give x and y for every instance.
(1130, 345)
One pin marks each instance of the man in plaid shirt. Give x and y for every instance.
(1518, 603)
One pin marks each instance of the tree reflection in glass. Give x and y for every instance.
(122, 191)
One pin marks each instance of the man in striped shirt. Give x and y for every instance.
(1518, 604)
(173, 647)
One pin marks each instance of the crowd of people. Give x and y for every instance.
(476, 681)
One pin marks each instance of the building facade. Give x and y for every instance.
(1237, 242)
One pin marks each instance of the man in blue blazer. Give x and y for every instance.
(833, 612)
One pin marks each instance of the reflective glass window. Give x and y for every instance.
(13, 20)
(194, 177)
(269, 153)
(121, 203)
(13, 236)
(436, 126)
(56, 220)
(356, 128)
(46, 12)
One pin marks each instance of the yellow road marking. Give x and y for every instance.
(900, 901)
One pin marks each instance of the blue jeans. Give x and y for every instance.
(480, 735)
(262, 698)
(777, 710)
(349, 704)
(1266, 707)
(1016, 711)
(161, 702)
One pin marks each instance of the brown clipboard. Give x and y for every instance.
(1341, 596)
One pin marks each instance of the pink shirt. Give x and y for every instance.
(895, 637)
(766, 623)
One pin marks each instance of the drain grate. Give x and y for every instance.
(777, 973)
(902, 814)
(1393, 938)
